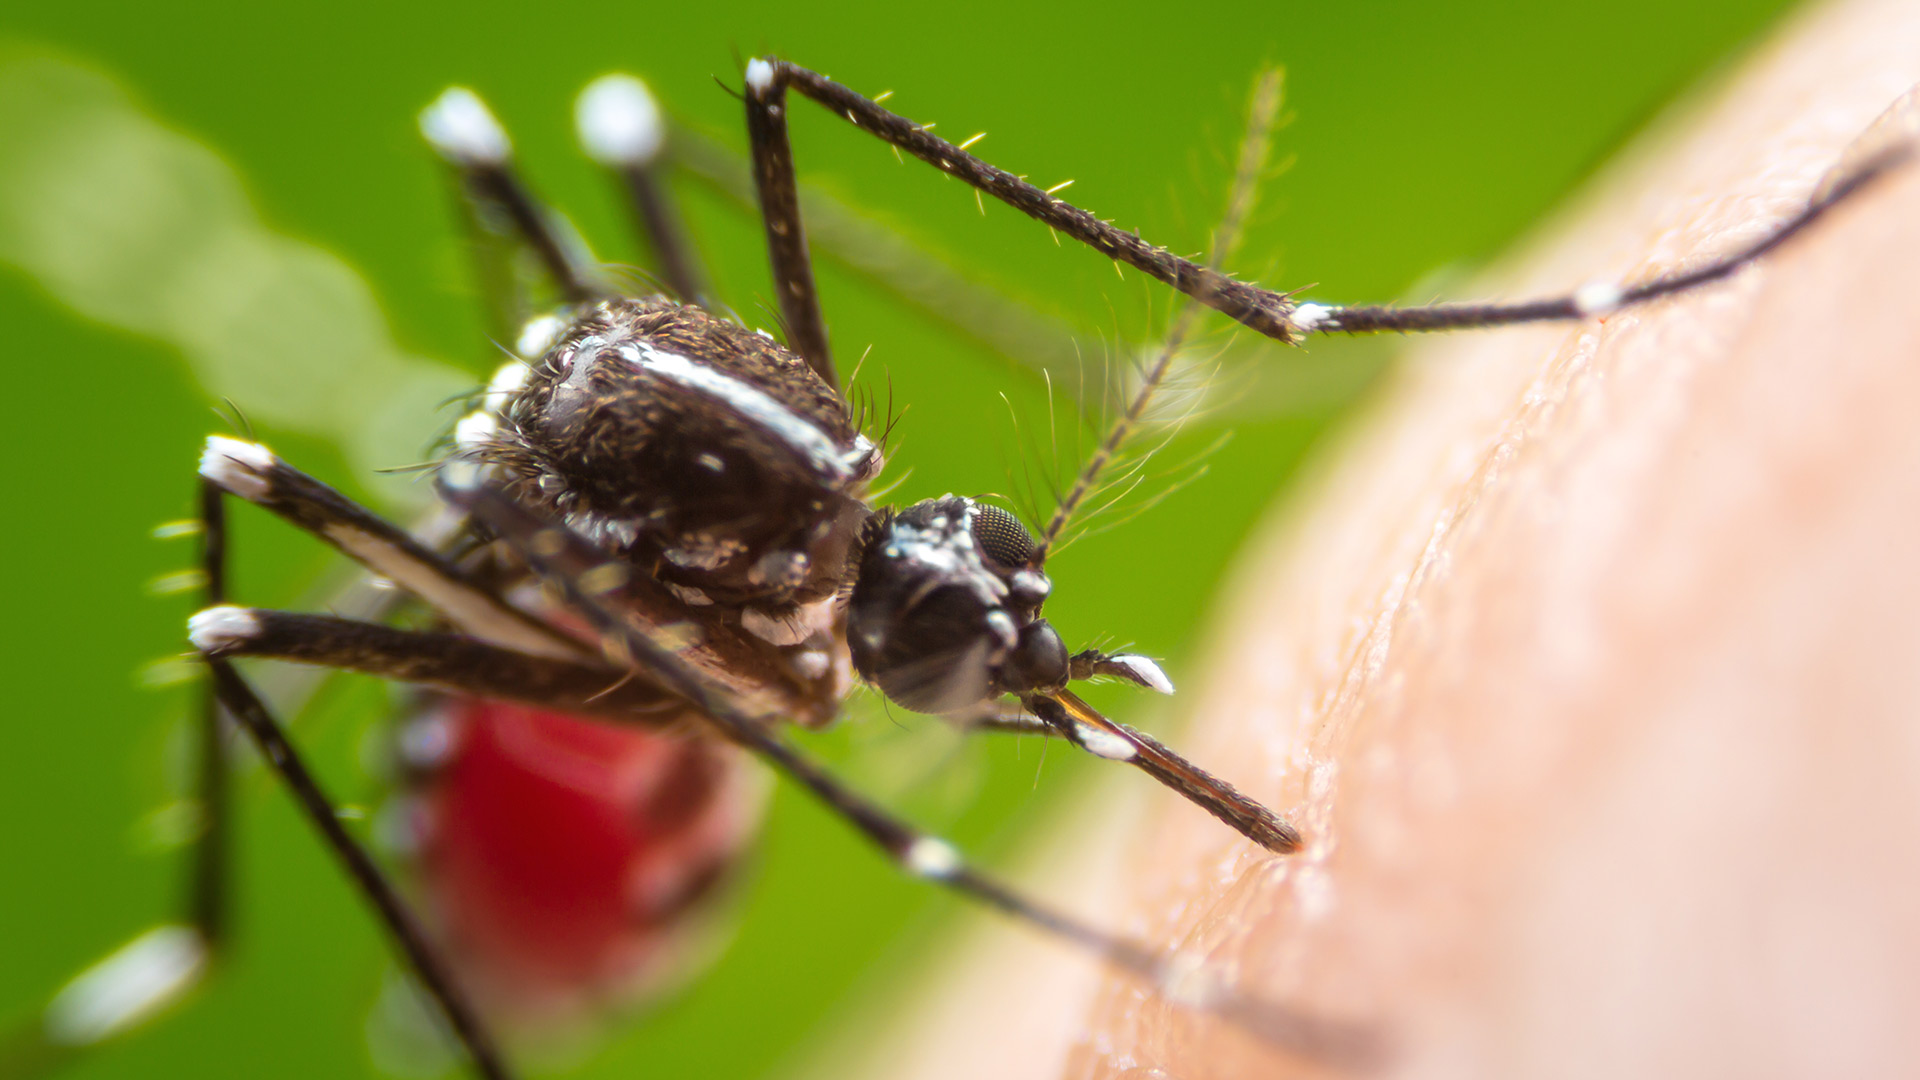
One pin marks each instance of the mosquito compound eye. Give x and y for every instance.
(1001, 536)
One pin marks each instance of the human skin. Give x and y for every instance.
(1588, 663)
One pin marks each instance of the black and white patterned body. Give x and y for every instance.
(730, 475)
(690, 497)
(713, 461)
(689, 443)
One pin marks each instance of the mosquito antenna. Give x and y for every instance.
(1021, 486)
(1189, 472)
(1255, 146)
(1053, 429)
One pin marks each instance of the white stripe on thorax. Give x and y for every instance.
(756, 405)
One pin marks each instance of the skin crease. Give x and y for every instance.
(1589, 664)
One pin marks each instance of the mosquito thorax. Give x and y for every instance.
(944, 614)
(704, 451)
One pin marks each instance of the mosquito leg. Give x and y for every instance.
(1600, 298)
(1275, 314)
(241, 702)
(565, 560)
(1083, 725)
(621, 127)
(228, 693)
(207, 889)
(861, 244)
(465, 134)
(358, 595)
(1012, 722)
(773, 176)
(252, 472)
(454, 663)
(1261, 309)
(117, 994)
(161, 966)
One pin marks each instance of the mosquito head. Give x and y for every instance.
(945, 610)
(690, 444)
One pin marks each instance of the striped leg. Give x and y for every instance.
(1275, 314)
(163, 965)
(500, 213)
(569, 563)
(621, 127)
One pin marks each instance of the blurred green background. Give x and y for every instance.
(1424, 137)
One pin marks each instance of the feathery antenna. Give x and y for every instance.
(1262, 113)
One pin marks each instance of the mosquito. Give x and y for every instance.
(666, 548)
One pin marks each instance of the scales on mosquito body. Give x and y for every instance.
(670, 551)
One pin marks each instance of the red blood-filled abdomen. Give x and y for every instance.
(565, 861)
